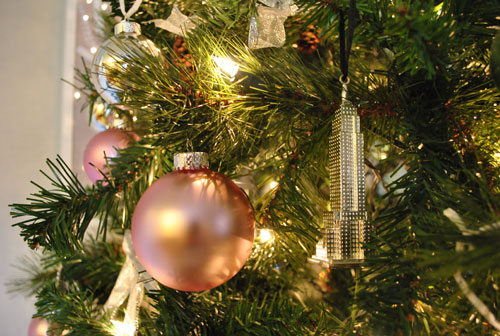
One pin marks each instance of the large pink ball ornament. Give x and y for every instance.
(193, 229)
(103, 146)
(38, 327)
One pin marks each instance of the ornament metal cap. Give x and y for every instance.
(191, 160)
(127, 27)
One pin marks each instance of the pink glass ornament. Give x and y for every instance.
(193, 229)
(38, 327)
(103, 146)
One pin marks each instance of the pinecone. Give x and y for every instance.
(308, 41)
(378, 110)
(183, 57)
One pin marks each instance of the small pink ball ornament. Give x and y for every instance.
(38, 327)
(102, 147)
(193, 229)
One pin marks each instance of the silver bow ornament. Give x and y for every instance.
(132, 281)
(268, 29)
(177, 23)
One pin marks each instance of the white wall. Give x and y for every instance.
(31, 57)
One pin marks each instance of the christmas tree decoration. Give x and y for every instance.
(308, 41)
(226, 66)
(287, 133)
(495, 59)
(104, 117)
(267, 29)
(98, 117)
(346, 226)
(182, 57)
(177, 23)
(130, 284)
(265, 236)
(38, 327)
(114, 52)
(193, 229)
(101, 148)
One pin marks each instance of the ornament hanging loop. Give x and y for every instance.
(131, 11)
(344, 80)
(189, 145)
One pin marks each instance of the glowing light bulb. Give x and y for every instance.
(89, 1)
(93, 50)
(77, 95)
(226, 66)
(104, 6)
(266, 235)
(85, 17)
(438, 9)
(123, 329)
(273, 184)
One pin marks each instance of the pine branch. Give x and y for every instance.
(58, 218)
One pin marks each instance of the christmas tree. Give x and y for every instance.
(255, 84)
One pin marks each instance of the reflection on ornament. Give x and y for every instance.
(102, 147)
(226, 66)
(104, 118)
(98, 118)
(38, 327)
(193, 229)
(126, 43)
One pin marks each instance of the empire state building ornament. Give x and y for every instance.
(346, 228)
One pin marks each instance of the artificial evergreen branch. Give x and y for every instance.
(419, 74)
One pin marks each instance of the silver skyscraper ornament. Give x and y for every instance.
(346, 227)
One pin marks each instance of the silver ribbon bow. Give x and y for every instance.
(177, 23)
(131, 11)
(132, 281)
(268, 29)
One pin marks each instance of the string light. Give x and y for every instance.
(93, 50)
(77, 95)
(85, 17)
(273, 184)
(226, 66)
(89, 1)
(104, 6)
(123, 329)
(438, 9)
(266, 236)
